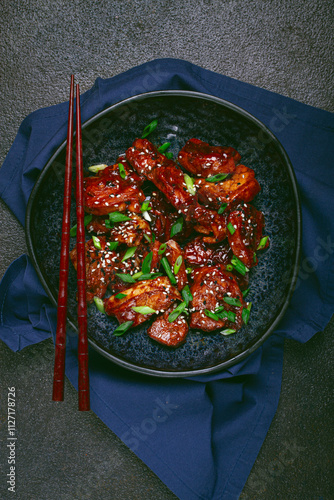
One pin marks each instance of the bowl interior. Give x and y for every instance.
(181, 116)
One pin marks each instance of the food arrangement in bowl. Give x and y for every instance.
(181, 253)
(171, 217)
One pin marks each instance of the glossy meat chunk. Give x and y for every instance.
(169, 179)
(173, 252)
(109, 192)
(130, 232)
(210, 286)
(248, 224)
(157, 294)
(240, 186)
(203, 160)
(170, 334)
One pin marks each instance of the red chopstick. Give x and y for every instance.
(81, 269)
(60, 346)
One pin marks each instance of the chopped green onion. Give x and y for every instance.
(118, 217)
(99, 304)
(216, 178)
(122, 328)
(87, 219)
(149, 276)
(226, 314)
(176, 227)
(211, 315)
(228, 331)
(127, 278)
(177, 311)
(239, 266)
(231, 228)
(130, 251)
(190, 184)
(163, 148)
(97, 168)
(245, 292)
(262, 243)
(149, 128)
(108, 224)
(186, 294)
(169, 155)
(232, 301)
(144, 310)
(137, 275)
(177, 264)
(162, 248)
(120, 296)
(113, 245)
(229, 267)
(245, 315)
(189, 270)
(97, 242)
(168, 270)
(147, 238)
(122, 172)
(145, 206)
(146, 266)
(222, 208)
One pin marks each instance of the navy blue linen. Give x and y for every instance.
(200, 435)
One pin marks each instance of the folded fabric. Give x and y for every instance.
(200, 435)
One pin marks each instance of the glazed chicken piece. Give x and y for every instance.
(240, 186)
(169, 179)
(163, 215)
(109, 192)
(248, 224)
(211, 285)
(157, 294)
(203, 160)
(130, 232)
(198, 253)
(173, 252)
(171, 334)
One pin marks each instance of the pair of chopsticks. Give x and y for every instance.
(60, 345)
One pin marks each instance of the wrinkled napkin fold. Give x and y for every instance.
(200, 435)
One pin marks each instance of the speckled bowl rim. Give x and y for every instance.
(239, 357)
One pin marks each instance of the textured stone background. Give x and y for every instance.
(283, 46)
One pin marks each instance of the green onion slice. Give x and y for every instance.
(147, 238)
(245, 315)
(168, 270)
(176, 227)
(177, 264)
(162, 248)
(97, 242)
(222, 208)
(189, 270)
(164, 146)
(87, 219)
(177, 311)
(231, 228)
(118, 217)
(239, 266)
(145, 206)
(190, 184)
(149, 276)
(122, 172)
(144, 310)
(97, 168)
(122, 328)
(137, 275)
(228, 331)
(169, 155)
(99, 304)
(120, 296)
(113, 245)
(232, 301)
(127, 278)
(245, 292)
(211, 315)
(229, 267)
(186, 294)
(222, 313)
(216, 178)
(146, 266)
(149, 128)
(262, 243)
(130, 251)
(108, 224)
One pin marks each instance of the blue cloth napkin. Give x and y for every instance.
(200, 435)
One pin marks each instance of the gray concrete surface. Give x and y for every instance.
(284, 46)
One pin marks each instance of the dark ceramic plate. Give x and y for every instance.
(181, 115)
